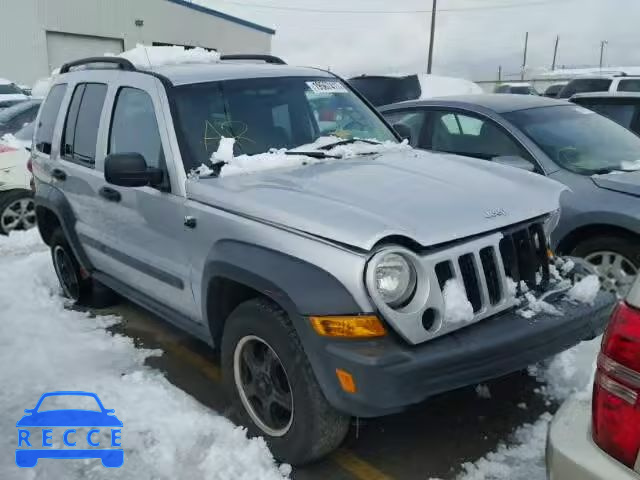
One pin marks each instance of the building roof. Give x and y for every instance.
(225, 16)
(499, 103)
(231, 70)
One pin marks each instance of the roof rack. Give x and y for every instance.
(251, 56)
(121, 63)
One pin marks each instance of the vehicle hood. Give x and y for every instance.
(69, 418)
(628, 182)
(429, 198)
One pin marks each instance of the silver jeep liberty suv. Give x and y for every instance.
(270, 211)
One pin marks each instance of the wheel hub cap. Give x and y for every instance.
(616, 272)
(18, 215)
(263, 386)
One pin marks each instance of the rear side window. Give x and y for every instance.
(82, 124)
(629, 86)
(412, 119)
(585, 85)
(47, 123)
(9, 89)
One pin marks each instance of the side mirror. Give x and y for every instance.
(403, 131)
(28, 410)
(515, 161)
(130, 170)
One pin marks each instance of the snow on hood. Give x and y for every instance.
(144, 56)
(622, 182)
(277, 159)
(430, 198)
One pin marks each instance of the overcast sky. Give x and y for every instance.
(473, 37)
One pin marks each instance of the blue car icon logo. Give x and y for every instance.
(34, 429)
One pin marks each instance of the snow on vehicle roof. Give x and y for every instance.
(143, 56)
(4, 81)
(439, 86)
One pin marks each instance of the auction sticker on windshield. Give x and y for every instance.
(324, 86)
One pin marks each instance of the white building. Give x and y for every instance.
(37, 36)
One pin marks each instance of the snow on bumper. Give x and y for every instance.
(390, 374)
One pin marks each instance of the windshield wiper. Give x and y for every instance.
(312, 154)
(348, 142)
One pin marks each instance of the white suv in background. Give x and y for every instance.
(611, 82)
(599, 439)
(17, 210)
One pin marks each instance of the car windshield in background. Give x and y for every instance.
(26, 132)
(580, 140)
(618, 112)
(265, 113)
(387, 90)
(9, 89)
(585, 85)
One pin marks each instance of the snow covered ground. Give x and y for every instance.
(522, 458)
(46, 347)
(167, 434)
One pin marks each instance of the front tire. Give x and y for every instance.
(272, 388)
(616, 259)
(76, 284)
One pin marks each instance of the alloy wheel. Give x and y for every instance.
(617, 273)
(66, 272)
(18, 215)
(263, 386)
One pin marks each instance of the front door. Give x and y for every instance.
(146, 237)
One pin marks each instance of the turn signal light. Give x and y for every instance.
(354, 326)
(346, 380)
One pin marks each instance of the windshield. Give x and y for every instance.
(580, 140)
(265, 113)
(69, 402)
(9, 89)
(8, 114)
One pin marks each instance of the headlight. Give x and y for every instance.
(551, 223)
(395, 279)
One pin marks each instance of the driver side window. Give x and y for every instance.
(134, 128)
(472, 136)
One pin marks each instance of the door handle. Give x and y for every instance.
(110, 194)
(59, 174)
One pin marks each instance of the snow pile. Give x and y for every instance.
(522, 461)
(10, 140)
(437, 86)
(46, 347)
(275, 159)
(586, 290)
(146, 57)
(458, 308)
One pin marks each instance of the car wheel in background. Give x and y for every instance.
(616, 259)
(76, 284)
(272, 387)
(17, 211)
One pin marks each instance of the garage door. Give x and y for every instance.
(64, 47)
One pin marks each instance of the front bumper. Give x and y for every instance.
(571, 453)
(390, 374)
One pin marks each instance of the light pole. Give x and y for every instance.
(433, 31)
(603, 43)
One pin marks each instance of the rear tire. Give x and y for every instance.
(616, 258)
(81, 289)
(259, 330)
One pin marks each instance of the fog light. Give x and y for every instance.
(353, 326)
(346, 380)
